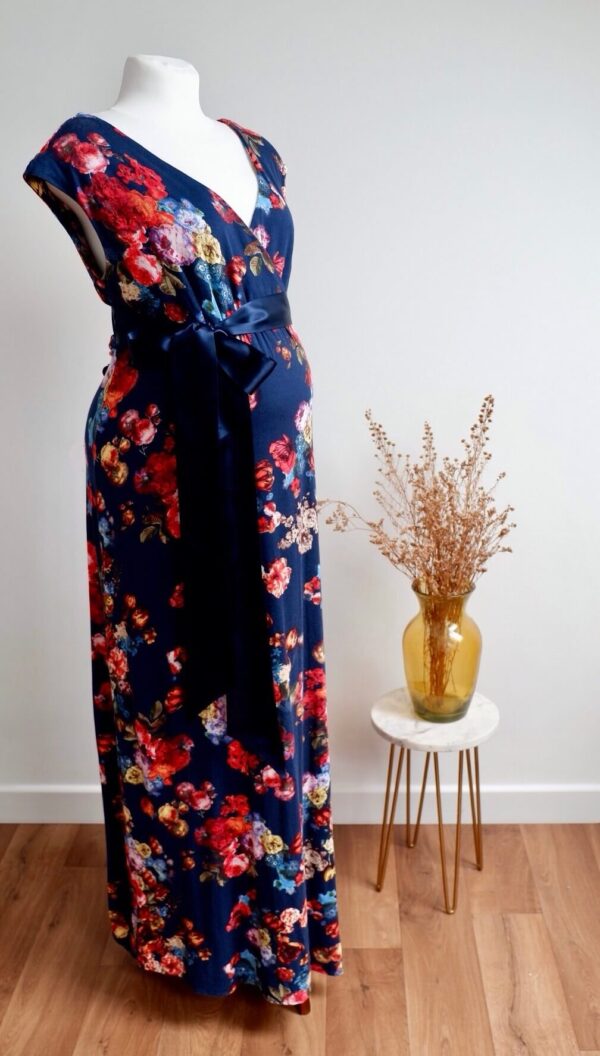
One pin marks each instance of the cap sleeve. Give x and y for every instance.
(273, 162)
(281, 170)
(68, 163)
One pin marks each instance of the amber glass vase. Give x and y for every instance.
(441, 648)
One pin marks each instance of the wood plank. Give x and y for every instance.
(502, 844)
(446, 1006)
(525, 1000)
(88, 847)
(366, 1005)
(6, 834)
(369, 918)
(270, 1030)
(568, 882)
(53, 989)
(593, 833)
(29, 870)
(126, 1009)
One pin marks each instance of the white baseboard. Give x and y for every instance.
(72, 804)
(499, 803)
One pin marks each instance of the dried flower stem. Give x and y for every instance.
(444, 525)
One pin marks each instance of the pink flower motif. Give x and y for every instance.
(82, 155)
(262, 235)
(235, 864)
(277, 576)
(140, 430)
(116, 660)
(172, 243)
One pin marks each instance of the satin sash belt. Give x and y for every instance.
(211, 372)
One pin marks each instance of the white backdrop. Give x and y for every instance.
(444, 178)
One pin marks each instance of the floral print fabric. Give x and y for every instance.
(220, 869)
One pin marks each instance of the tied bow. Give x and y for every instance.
(211, 374)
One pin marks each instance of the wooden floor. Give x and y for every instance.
(515, 971)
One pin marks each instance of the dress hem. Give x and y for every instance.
(184, 978)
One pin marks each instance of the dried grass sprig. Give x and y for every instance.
(444, 525)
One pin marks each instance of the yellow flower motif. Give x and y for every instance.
(262, 935)
(317, 796)
(271, 843)
(209, 712)
(207, 246)
(130, 291)
(134, 775)
(115, 470)
(143, 849)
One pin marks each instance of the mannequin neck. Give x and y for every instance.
(158, 106)
(155, 88)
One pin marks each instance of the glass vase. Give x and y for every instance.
(441, 648)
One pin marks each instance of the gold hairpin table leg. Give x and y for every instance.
(387, 824)
(411, 840)
(411, 837)
(476, 807)
(450, 908)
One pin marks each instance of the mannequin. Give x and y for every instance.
(158, 106)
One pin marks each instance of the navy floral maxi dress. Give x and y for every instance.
(220, 853)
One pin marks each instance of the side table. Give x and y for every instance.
(395, 719)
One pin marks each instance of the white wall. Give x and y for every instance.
(444, 177)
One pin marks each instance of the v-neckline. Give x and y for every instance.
(157, 160)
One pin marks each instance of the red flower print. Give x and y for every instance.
(235, 269)
(198, 798)
(139, 430)
(174, 659)
(96, 603)
(270, 519)
(106, 743)
(175, 312)
(103, 698)
(285, 974)
(121, 381)
(172, 965)
(117, 662)
(282, 786)
(239, 759)
(283, 453)
(235, 864)
(235, 804)
(172, 520)
(314, 699)
(174, 699)
(145, 268)
(83, 155)
(312, 590)
(157, 476)
(163, 756)
(277, 576)
(135, 172)
(288, 950)
(176, 598)
(240, 911)
(279, 262)
(125, 212)
(264, 474)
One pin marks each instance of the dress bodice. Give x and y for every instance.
(173, 245)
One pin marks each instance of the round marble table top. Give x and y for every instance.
(394, 717)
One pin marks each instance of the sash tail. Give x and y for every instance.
(211, 374)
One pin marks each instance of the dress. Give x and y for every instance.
(220, 862)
